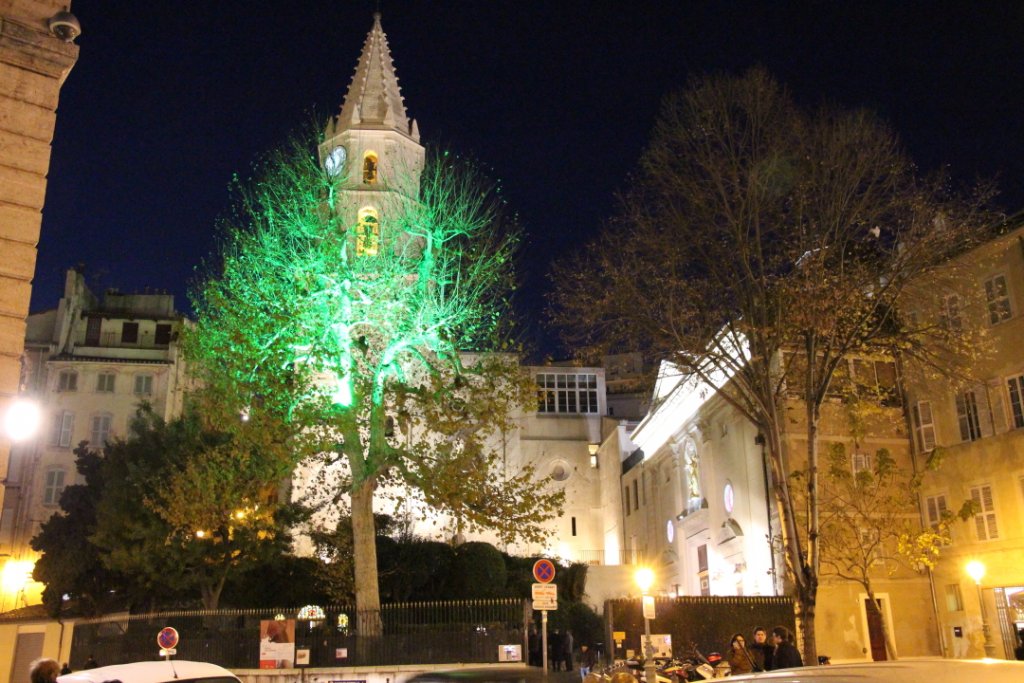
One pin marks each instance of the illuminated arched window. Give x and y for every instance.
(369, 167)
(367, 232)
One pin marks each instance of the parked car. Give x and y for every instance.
(162, 671)
(899, 671)
(484, 674)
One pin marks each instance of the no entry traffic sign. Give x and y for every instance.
(544, 571)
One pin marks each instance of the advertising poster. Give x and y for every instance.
(277, 643)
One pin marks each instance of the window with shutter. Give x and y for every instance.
(985, 519)
(936, 509)
(996, 407)
(860, 462)
(967, 416)
(143, 385)
(954, 599)
(951, 313)
(1015, 386)
(100, 429)
(53, 487)
(998, 297)
(105, 382)
(67, 381)
(924, 426)
(63, 422)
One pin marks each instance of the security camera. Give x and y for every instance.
(65, 26)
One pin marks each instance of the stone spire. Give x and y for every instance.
(374, 99)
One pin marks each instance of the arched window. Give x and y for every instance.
(369, 167)
(367, 232)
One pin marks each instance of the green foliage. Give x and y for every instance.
(870, 520)
(169, 515)
(572, 582)
(357, 354)
(477, 571)
(70, 564)
(279, 581)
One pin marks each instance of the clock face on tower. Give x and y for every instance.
(335, 161)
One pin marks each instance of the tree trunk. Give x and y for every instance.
(210, 591)
(806, 603)
(364, 551)
(808, 592)
(890, 646)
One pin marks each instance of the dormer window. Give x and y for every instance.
(367, 232)
(369, 168)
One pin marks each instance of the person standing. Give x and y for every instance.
(588, 660)
(741, 660)
(761, 649)
(567, 646)
(555, 650)
(786, 656)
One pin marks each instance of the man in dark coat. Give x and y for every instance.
(786, 656)
(761, 649)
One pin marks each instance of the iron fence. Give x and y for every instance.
(411, 633)
(706, 622)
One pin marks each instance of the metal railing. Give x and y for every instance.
(411, 633)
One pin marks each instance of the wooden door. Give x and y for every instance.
(875, 631)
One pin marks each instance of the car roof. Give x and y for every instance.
(898, 671)
(163, 671)
(482, 674)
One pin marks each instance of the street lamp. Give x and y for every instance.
(21, 419)
(644, 578)
(976, 570)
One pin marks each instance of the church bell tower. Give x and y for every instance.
(372, 147)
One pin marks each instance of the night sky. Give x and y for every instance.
(169, 99)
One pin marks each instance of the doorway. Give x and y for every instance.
(876, 629)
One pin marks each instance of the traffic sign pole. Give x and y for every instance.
(544, 639)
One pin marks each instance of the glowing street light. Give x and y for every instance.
(644, 578)
(22, 419)
(976, 570)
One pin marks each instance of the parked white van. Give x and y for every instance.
(163, 671)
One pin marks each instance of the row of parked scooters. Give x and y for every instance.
(694, 666)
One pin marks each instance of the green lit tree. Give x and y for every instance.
(353, 334)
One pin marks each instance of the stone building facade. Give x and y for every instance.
(34, 62)
(977, 426)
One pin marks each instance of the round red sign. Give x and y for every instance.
(167, 639)
(544, 570)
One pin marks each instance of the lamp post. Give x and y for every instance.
(645, 579)
(976, 570)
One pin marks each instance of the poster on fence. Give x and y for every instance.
(277, 643)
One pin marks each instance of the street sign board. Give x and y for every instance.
(648, 601)
(545, 596)
(544, 570)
